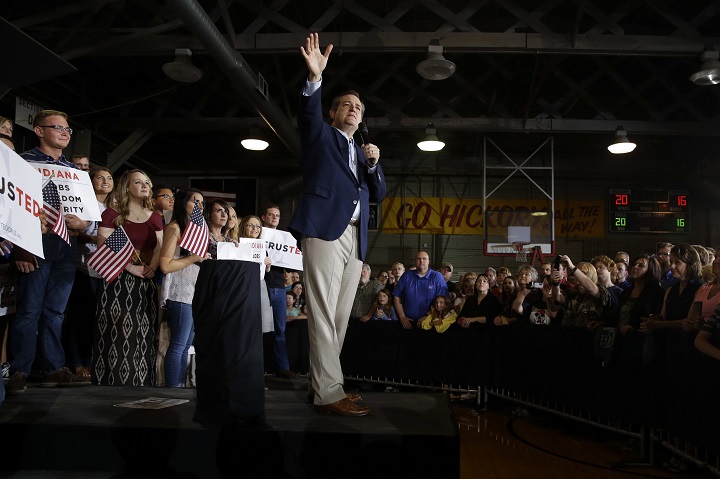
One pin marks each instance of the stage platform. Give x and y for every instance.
(81, 429)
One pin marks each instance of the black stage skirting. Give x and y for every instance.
(675, 388)
(80, 429)
(228, 343)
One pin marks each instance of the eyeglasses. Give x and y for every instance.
(252, 226)
(166, 196)
(663, 254)
(383, 276)
(58, 128)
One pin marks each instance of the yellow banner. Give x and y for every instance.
(454, 216)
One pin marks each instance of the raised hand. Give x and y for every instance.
(315, 60)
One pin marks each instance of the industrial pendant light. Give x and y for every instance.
(709, 73)
(431, 141)
(435, 67)
(621, 144)
(182, 69)
(254, 141)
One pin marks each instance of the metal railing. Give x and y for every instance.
(649, 439)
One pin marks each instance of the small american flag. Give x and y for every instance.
(196, 235)
(52, 206)
(112, 256)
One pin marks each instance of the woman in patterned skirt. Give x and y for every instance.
(125, 339)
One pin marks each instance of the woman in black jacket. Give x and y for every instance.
(645, 297)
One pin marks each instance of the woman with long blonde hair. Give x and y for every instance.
(126, 344)
(232, 228)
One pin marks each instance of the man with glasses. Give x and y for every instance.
(163, 201)
(623, 257)
(663, 257)
(275, 280)
(44, 285)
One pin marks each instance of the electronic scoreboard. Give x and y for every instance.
(649, 210)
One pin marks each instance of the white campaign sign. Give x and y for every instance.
(75, 188)
(282, 249)
(248, 249)
(20, 202)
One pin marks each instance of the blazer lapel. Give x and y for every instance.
(344, 148)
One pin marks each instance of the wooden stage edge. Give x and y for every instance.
(82, 429)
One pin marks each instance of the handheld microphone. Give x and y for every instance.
(363, 130)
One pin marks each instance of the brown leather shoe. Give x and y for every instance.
(354, 397)
(344, 407)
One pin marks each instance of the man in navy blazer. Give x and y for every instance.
(340, 179)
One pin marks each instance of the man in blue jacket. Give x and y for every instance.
(340, 179)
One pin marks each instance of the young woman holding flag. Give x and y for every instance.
(125, 344)
(181, 267)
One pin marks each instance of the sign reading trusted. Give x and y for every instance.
(20, 202)
(75, 189)
(282, 248)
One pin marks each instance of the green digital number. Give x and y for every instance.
(681, 222)
(620, 221)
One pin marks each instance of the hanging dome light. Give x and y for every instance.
(431, 141)
(254, 141)
(182, 69)
(621, 144)
(435, 67)
(709, 73)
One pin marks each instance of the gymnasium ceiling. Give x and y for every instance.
(526, 69)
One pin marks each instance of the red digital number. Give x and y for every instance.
(622, 199)
(682, 200)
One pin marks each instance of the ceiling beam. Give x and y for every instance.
(393, 42)
(127, 148)
(58, 13)
(603, 20)
(100, 47)
(448, 15)
(685, 28)
(525, 17)
(223, 124)
(368, 16)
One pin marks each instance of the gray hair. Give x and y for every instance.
(530, 269)
(367, 267)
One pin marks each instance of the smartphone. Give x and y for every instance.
(558, 260)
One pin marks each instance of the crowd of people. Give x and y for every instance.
(113, 340)
(675, 287)
(74, 328)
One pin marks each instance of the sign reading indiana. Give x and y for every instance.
(455, 216)
(75, 189)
